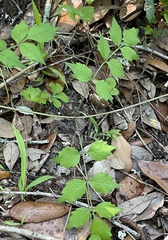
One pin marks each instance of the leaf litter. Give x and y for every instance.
(139, 204)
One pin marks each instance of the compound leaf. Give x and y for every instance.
(100, 228)
(79, 217)
(103, 90)
(80, 71)
(107, 210)
(73, 190)
(103, 47)
(116, 68)
(100, 150)
(115, 32)
(68, 157)
(32, 52)
(103, 183)
(131, 36)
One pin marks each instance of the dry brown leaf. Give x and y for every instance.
(4, 174)
(149, 117)
(128, 96)
(142, 207)
(6, 130)
(158, 64)
(51, 138)
(130, 6)
(38, 211)
(17, 86)
(128, 133)
(156, 171)
(140, 143)
(11, 154)
(65, 22)
(34, 153)
(129, 188)
(81, 87)
(121, 157)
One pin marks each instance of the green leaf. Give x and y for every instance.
(57, 73)
(68, 157)
(2, 44)
(79, 217)
(73, 190)
(114, 92)
(129, 53)
(10, 59)
(35, 95)
(103, 183)
(69, 9)
(81, 71)
(100, 228)
(149, 8)
(55, 88)
(115, 32)
(85, 13)
(20, 31)
(36, 13)
(111, 82)
(38, 181)
(107, 210)
(32, 52)
(100, 150)
(103, 90)
(94, 237)
(103, 47)
(62, 96)
(42, 32)
(55, 101)
(23, 178)
(116, 68)
(131, 36)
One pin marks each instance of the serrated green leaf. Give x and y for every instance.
(131, 36)
(55, 101)
(2, 44)
(55, 88)
(115, 32)
(42, 32)
(20, 31)
(100, 228)
(107, 210)
(103, 47)
(129, 53)
(10, 59)
(68, 157)
(38, 181)
(35, 95)
(116, 68)
(103, 183)
(36, 13)
(79, 217)
(80, 71)
(62, 96)
(149, 8)
(85, 13)
(100, 150)
(103, 90)
(32, 52)
(73, 190)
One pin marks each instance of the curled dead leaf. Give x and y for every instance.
(4, 174)
(121, 157)
(38, 211)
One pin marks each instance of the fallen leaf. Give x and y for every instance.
(149, 117)
(38, 211)
(51, 138)
(11, 154)
(6, 130)
(128, 132)
(34, 153)
(82, 88)
(142, 207)
(121, 157)
(139, 143)
(129, 188)
(18, 85)
(158, 64)
(156, 171)
(4, 174)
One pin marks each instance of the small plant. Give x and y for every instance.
(23, 178)
(124, 41)
(76, 188)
